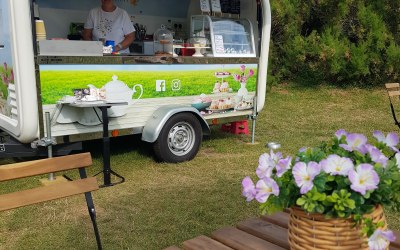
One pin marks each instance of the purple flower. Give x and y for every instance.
(303, 149)
(391, 140)
(397, 156)
(376, 155)
(283, 165)
(242, 68)
(265, 166)
(236, 77)
(304, 175)
(355, 142)
(4, 78)
(275, 157)
(5, 66)
(364, 178)
(266, 163)
(249, 190)
(379, 240)
(265, 187)
(251, 73)
(340, 133)
(337, 165)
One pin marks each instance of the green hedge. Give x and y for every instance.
(341, 42)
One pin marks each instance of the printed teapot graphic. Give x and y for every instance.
(117, 91)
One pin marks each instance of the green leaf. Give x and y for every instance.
(330, 178)
(331, 199)
(300, 201)
(351, 204)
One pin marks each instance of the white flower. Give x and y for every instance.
(379, 240)
(337, 165)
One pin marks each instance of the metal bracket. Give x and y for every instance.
(44, 142)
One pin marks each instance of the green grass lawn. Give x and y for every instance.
(165, 204)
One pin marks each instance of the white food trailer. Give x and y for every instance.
(158, 90)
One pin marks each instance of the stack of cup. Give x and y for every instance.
(40, 30)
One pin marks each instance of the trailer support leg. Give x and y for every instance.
(50, 146)
(254, 118)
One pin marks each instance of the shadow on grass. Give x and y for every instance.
(120, 145)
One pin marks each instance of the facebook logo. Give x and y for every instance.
(160, 85)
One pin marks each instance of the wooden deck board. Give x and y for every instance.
(172, 248)
(281, 219)
(204, 243)
(396, 243)
(241, 240)
(266, 231)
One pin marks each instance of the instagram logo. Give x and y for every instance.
(176, 84)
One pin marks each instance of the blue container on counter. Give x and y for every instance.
(112, 43)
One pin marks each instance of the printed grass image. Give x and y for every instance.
(57, 83)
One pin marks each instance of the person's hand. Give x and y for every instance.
(117, 47)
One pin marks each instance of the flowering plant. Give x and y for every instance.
(346, 178)
(243, 77)
(6, 78)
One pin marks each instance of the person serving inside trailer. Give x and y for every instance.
(110, 23)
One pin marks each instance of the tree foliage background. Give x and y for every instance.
(341, 42)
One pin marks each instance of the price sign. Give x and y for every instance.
(216, 6)
(205, 5)
(219, 44)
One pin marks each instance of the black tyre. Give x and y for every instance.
(179, 139)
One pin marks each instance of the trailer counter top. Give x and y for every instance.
(130, 59)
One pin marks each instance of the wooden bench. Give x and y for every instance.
(393, 90)
(264, 233)
(54, 191)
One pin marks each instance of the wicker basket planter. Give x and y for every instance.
(314, 231)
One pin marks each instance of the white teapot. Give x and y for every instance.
(117, 91)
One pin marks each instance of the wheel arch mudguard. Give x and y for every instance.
(154, 125)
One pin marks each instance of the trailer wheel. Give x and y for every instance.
(179, 139)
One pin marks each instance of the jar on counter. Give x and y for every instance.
(163, 42)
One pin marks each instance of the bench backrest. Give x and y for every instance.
(46, 193)
(393, 89)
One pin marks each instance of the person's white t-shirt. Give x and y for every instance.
(109, 25)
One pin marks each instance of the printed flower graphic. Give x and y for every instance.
(7, 76)
(243, 77)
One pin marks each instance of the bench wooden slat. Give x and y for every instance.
(240, 240)
(392, 85)
(46, 193)
(392, 93)
(204, 243)
(280, 218)
(266, 231)
(44, 166)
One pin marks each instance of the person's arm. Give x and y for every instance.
(126, 42)
(87, 34)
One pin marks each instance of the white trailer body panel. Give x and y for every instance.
(19, 106)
